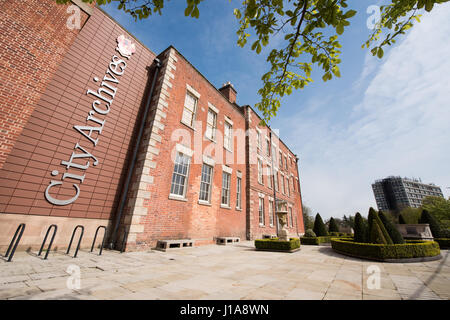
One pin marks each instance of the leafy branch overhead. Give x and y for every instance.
(309, 32)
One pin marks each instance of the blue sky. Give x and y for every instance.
(382, 117)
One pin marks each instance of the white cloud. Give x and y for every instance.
(401, 126)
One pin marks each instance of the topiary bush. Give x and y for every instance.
(435, 228)
(319, 227)
(277, 245)
(333, 226)
(376, 235)
(310, 233)
(410, 249)
(360, 229)
(391, 229)
(373, 231)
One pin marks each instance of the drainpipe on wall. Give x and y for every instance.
(123, 197)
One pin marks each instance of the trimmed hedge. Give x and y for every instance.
(444, 243)
(275, 244)
(314, 240)
(411, 249)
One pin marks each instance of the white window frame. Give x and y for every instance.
(260, 171)
(208, 184)
(214, 124)
(228, 189)
(238, 193)
(269, 176)
(194, 112)
(261, 211)
(259, 140)
(288, 185)
(186, 178)
(228, 140)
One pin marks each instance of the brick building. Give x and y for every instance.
(74, 103)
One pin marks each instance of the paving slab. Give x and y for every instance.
(221, 272)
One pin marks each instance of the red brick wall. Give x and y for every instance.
(31, 48)
(48, 136)
(171, 219)
(255, 230)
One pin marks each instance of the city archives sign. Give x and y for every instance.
(91, 132)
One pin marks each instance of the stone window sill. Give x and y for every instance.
(177, 197)
(224, 206)
(204, 203)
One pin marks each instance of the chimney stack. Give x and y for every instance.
(229, 92)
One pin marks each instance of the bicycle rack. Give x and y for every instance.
(95, 238)
(20, 228)
(79, 241)
(55, 229)
(122, 248)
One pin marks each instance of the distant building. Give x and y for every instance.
(393, 193)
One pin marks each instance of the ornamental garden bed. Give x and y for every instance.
(410, 251)
(276, 245)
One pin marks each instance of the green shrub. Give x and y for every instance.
(309, 233)
(373, 232)
(445, 233)
(435, 228)
(319, 227)
(376, 235)
(360, 229)
(401, 220)
(315, 240)
(410, 249)
(391, 229)
(444, 243)
(275, 244)
(370, 217)
(333, 227)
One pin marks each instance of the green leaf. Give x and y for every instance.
(340, 29)
(349, 14)
(380, 53)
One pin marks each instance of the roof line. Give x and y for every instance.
(234, 105)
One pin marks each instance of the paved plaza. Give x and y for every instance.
(221, 272)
